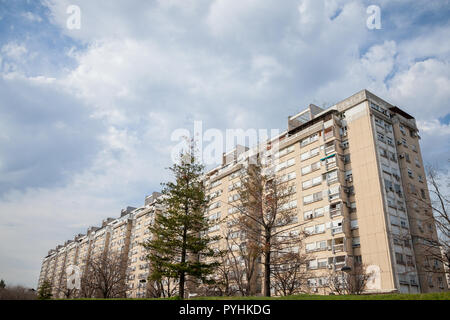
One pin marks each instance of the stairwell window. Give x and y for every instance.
(356, 242)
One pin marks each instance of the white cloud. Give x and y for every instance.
(31, 17)
(14, 50)
(424, 88)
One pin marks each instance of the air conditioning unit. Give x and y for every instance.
(314, 290)
(329, 248)
(401, 156)
(330, 266)
(349, 179)
(399, 142)
(309, 216)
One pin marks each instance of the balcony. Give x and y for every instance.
(330, 165)
(338, 248)
(335, 210)
(336, 263)
(330, 149)
(336, 230)
(328, 133)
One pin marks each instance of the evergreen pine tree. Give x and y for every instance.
(45, 291)
(180, 245)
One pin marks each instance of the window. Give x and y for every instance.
(317, 180)
(287, 177)
(309, 139)
(422, 192)
(416, 160)
(356, 242)
(346, 158)
(407, 157)
(332, 176)
(310, 246)
(233, 197)
(318, 212)
(394, 220)
(399, 258)
(441, 282)
(312, 264)
(317, 196)
(308, 199)
(290, 162)
(309, 230)
(403, 223)
(380, 122)
(404, 143)
(409, 260)
(388, 185)
(319, 228)
(354, 224)
(322, 263)
(308, 215)
(389, 141)
(392, 156)
(307, 184)
(284, 151)
(306, 170)
(315, 166)
(309, 154)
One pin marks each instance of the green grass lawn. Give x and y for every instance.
(424, 296)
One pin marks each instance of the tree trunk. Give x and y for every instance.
(267, 266)
(183, 260)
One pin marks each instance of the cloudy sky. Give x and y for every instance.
(86, 114)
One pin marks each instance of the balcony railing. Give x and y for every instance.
(330, 149)
(335, 212)
(330, 165)
(336, 230)
(328, 135)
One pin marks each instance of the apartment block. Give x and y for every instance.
(359, 193)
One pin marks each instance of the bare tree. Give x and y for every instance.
(439, 216)
(223, 283)
(241, 262)
(290, 274)
(63, 290)
(268, 215)
(436, 247)
(353, 281)
(17, 293)
(105, 277)
(162, 288)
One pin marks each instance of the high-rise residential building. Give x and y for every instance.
(360, 196)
